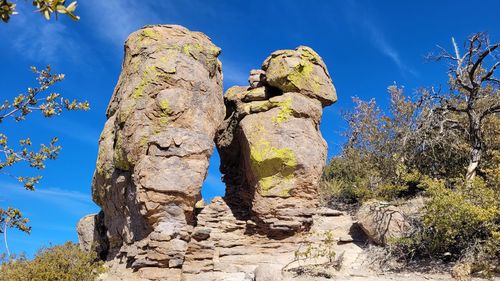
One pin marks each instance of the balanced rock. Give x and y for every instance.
(156, 144)
(165, 113)
(272, 152)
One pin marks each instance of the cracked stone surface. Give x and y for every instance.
(156, 144)
(271, 148)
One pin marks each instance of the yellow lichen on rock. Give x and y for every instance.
(120, 157)
(148, 33)
(272, 166)
(286, 110)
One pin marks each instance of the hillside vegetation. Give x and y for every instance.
(442, 145)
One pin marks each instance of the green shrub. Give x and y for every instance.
(462, 223)
(62, 262)
(352, 178)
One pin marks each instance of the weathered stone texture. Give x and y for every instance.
(155, 146)
(163, 117)
(382, 222)
(272, 152)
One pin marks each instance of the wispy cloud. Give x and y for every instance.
(41, 40)
(71, 201)
(114, 20)
(76, 130)
(358, 16)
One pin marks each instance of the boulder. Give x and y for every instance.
(382, 222)
(301, 70)
(156, 144)
(92, 234)
(272, 152)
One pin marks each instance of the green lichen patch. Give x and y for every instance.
(273, 167)
(166, 111)
(143, 141)
(192, 49)
(120, 157)
(148, 33)
(150, 74)
(207, 56)
(102, 166)
(302, 78)
(165, 106)
(285, 112)
(259, 106)
(310, 55)
(125, 111)
(214, 51)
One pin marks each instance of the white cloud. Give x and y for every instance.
(41, 40)
(72, 201)
(358, 16)
(114, 20)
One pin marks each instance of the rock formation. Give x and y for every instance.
(272, 152)
(156, 144)
(383, 222)
(163, 118)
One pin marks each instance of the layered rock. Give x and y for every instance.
(272, 152)
(223, 247)
(164, 114)
(156, 144)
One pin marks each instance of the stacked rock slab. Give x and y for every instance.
(272, 152)
(156, 144)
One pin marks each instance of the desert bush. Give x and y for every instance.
(460, 223)
(315, 252)
(62, 262)
(316, 259)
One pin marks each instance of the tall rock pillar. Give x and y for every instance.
(272, 151)
(156, 144)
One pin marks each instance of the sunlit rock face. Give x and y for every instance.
(156, 144)
(165, 113)
(272, 152)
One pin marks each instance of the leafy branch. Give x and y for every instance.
(49, 104)
(45, 7)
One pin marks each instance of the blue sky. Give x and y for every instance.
(367, 46)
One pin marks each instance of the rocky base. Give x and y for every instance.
(225, 248)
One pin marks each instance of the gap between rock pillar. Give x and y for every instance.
(155, 146)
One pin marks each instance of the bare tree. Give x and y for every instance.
(473, 94)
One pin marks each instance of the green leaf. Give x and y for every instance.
(46, 14)
(71, 7)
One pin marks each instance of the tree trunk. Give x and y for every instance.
(477, 146)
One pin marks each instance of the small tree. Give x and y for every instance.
(473, 95)
(49, 104)
(436, 134)
(34, 99)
